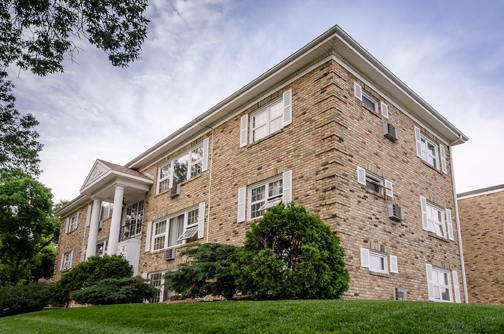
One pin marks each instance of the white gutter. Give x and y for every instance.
(210, 188)
(466, 297)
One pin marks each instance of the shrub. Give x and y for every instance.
(207, 271)
(88, 273)
(116, 291)
(290, 253)
(17, 299)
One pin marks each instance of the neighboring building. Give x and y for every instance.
(482, 227)
(330, 128)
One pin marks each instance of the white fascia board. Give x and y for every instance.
(481, 194)
(71, 206)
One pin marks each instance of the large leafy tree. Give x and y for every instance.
(288, 254)
(26, 224)
(35, 35)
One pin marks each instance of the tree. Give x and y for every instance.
(26, 227)
(88, 273)
(207, 271)
(290, 253)
(35, 35)
(18, 139)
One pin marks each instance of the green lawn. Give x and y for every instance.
(302, 316)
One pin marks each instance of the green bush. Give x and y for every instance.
(206, 272)
(116, 291)
(88, 273)
(17, 299)
(290, 254)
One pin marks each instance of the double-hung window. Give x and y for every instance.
(433, 218)
(378, 261)
(184, 167)
(101, 247)
(106, 210)
(73, 223)
(158, 281)
(66, 261)
(266, 120)
(177, 229)
(429, 151)
(264, 196)
(439, 284)
(133, 220)
(374, 182)
(370, 101)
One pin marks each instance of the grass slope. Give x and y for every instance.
(301, 316)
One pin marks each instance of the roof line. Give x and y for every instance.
(481, 191)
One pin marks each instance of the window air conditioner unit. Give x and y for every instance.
(169, 254)
(395, 212)
(175, 189)
(400, 294)
(390, 132)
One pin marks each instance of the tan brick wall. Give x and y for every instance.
(331, 134)
(482, 228)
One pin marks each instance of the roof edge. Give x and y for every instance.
(482, 191)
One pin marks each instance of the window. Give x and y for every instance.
(158, 281)
(374, 182)
(179, 228)
(267, 120)
(439, 284)
(262, 194)
(72, 223)
(134, 220)
(184, 167)
(427, 150)
(106, 210)
(433, 218)
(378, 262)
(66, 261)
(370, 101)
(101, 247)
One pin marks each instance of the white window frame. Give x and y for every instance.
(162, 287)
(73, 222)
(105, 246)
(380, 255)
(167, 230)
(371, 98)
(67, 261)
(439, 286)
(190, 164)
(137, 222)
(435, 157)
(430, 220)
(108, 208)
(267, 108)
(266, 199)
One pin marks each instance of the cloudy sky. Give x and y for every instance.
(200, 51)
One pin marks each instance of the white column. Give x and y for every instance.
(93, 228)
(115, 224)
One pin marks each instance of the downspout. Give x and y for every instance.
(466, 297)
(210, 188)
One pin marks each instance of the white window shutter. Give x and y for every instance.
(423, 203)
(450, 224)
(201, 220)
(393, 264)
(418, 142)
(144, 275)
(287, 187)
(88, 216)
(389, 189)
(361, 175)
(71, 258)
(287, 107)
(384, 110)
(443, 225)
(430, 285)
(437, 157)
(443, 158)
(148, 237)
(61, 263)
(204, 166)
(241, 204)
(77, 221)
(364, 256)
(243, 131)
(67, 224)
(456, 286)
(358, 91)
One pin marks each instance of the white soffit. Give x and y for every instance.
(333, 40)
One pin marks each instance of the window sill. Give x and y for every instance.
(376, 273)
(267, 137)
(431, 167)
(435, 236)
(180, 184)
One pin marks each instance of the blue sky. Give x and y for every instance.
(198, 52)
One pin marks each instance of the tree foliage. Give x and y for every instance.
(17, 299)
(26, 227)
(206, 272)
(290, 253)
(116, 291)
(88, 273)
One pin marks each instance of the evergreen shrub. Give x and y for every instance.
(17, 299)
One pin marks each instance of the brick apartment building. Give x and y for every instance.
(329, 127)
(482, 226)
